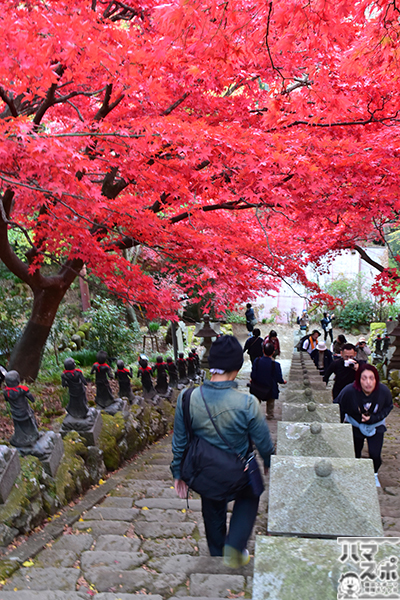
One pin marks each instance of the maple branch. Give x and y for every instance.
(106, 107)
(368, 259)
(169, 110)
(7, 254)
(9, 102)
(266, 236)
(223, 205)
(77, 110)
(49, 100)
(62, 99)
(372, 119)
(267, 44)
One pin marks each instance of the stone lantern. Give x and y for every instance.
(209, 332)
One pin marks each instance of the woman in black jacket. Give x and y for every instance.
(365, 404)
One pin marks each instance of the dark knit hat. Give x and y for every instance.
(226, 354)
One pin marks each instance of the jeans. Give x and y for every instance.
(241, 525)
(375, 443)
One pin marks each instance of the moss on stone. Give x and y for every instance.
(7, 568)
(25, 495)
(72, 475)
(112, 431)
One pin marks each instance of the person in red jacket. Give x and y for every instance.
(272, 338)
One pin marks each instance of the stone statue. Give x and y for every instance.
(162, 379)
(197, 360)
(191, 366)
(25, 427)
(123, 375)
(172, 372)
(182, 372)
(104, 396)
(73, 379)
(144, 373)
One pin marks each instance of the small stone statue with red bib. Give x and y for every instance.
(18, 397)
(144, 373)
(182, 368)
(73, 379)
(172, 372)
(124, 375)
(162, 379)
(104, 396)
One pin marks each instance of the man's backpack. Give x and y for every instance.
(299, 345)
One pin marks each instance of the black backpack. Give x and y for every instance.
(299, 345)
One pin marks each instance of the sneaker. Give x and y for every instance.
(378, 483)
(234, 558)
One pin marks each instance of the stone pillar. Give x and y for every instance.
(395, 359)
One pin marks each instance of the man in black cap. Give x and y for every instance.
(238, 417)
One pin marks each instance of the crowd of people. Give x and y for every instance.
(231, 420)
(364, 402)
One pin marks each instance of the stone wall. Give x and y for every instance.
(36, 496)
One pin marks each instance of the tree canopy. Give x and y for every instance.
(232, 142)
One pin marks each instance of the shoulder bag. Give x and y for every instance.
(212, 472)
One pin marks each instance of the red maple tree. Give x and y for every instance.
(234, 142)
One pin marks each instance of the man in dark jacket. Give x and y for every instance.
(254, 345)
(344, 369)
(266, 374)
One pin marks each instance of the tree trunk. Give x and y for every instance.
(27, 354)
(131, 316)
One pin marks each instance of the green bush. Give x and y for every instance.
(153, 326)
(84, 358)
(14, 309)
(109, 330)
(235, 317)
(355, 314)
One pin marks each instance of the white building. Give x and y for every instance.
(293, 297)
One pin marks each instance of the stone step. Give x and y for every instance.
(118, 560)
(104, 578)
(97, 528)
(218, 585)
(119, 596)
(111, 513)
(169, 503)
(211, 565)
(43, 579)
(53, 595)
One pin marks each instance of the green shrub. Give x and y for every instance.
(109, 330)
(235, 317)
(84, 358)
(14, 309)
(153, 326)
(355, 314)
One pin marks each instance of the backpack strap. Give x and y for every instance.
(217, 429)
(186, 412)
